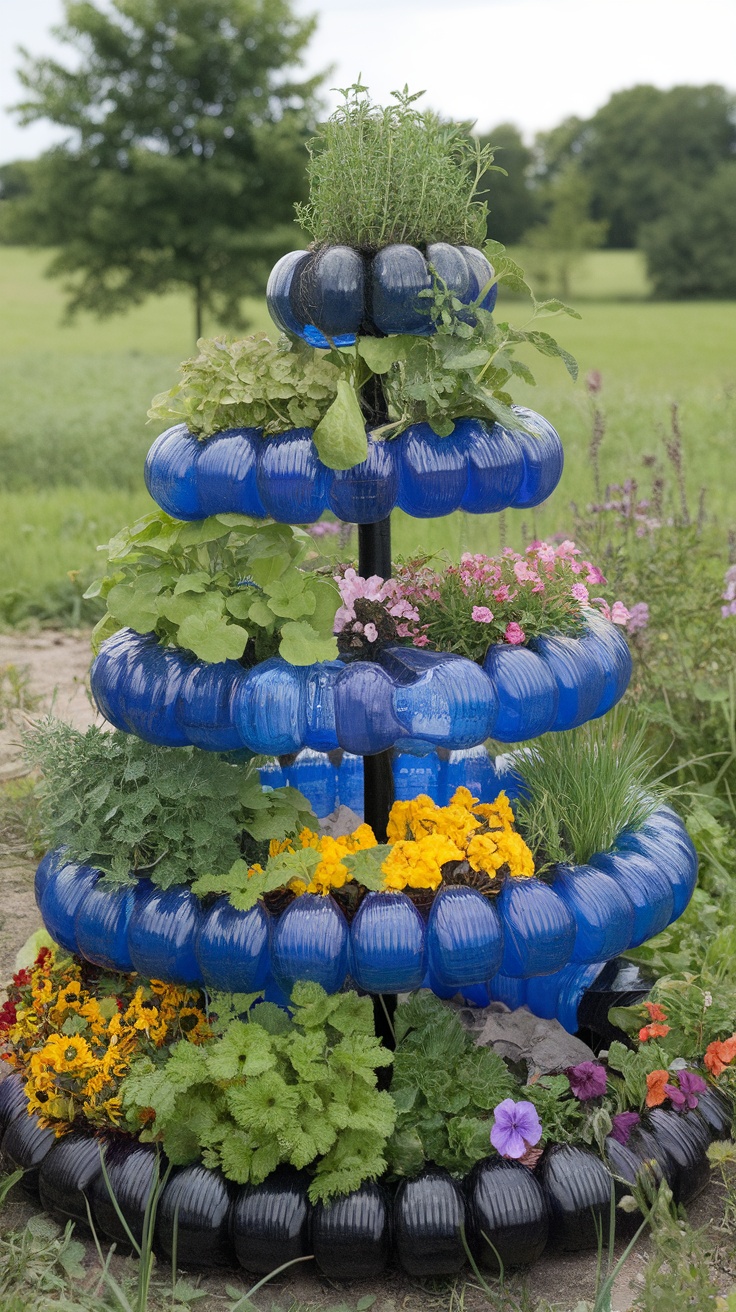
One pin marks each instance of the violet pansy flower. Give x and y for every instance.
(622, 1125)
(516, 1128)
(686, 1097)
(587, 1080)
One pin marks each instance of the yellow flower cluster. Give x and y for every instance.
(331, 871)
(73, 1038)
(425, 836)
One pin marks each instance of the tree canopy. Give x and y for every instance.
(185, 151)
(641, 148)
(512, 204)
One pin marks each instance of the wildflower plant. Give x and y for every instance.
(465, 608)
(73, 1032)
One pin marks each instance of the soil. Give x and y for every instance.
(57, 666)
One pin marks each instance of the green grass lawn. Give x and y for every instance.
(73, 430)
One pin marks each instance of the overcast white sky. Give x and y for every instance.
(531, 62)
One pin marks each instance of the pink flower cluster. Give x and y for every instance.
(386, 592)
(540, 563)
(729, 593)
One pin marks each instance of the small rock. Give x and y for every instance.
(519, 1036)
(340, 822)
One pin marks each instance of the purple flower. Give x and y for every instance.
(622, 1125)
(638, 618)
(516, 1128)
(685, 1098)
(587, 1080)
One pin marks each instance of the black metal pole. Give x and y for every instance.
(374, 557)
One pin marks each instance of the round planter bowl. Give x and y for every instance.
(481, 468)
(407, 698)
(543, 944)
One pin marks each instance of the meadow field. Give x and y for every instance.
(73, 429)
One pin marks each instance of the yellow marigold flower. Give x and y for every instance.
(516, 855)
(278, 845)
(462, 796)
(455, 822)
(483, 853)
(362, 838)
(498, 814)
(65, 1054)
(418, 864)
(308, 838)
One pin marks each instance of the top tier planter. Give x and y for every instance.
(329, 295)
(480, 468)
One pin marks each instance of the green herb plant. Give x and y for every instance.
(463, 368)
(245, 886)
(273, 1087)
(222, 588)
(444, 1088)
(127, 807)
(380, 175)
(584, 787)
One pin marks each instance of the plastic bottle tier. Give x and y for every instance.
(407, 697)
(480, 468)
(552, 931)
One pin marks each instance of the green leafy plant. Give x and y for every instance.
(444, 1088)
(584, 787)
(222, 588)
(463, 368)
(125, 806)
(380, 175)
(298, 1088)
(250, 383)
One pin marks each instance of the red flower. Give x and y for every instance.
(655, 1011)
(8, 1015)
(720, 1054)
(21, 978)
(657, 1082)
(653, 1032)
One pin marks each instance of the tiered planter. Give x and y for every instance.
(407, 697)
(544, 943)
(508, 1212)
(480, 468)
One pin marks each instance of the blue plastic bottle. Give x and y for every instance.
(350, 782)
(543, 459)
(101, 927)
(433, 471)
(387, 944)
(319, 694)
(398, 274)
(269, 708)
(414, 774)
(602, 911)
(538, 929)
(364, 715)
(227, 470)
(310, 941)
(472, 768)
(313, 775)
(647, 887)
(271, 775)
(149, 694)
(204, 709)
(367, 492)
(441, 699)
(292, 481)
(62, 895)
(171, 473)
(162, 933)
(579, 677)
(527, 693)
(464, 937)
(495, 466)
(232, 947)
(609, 648)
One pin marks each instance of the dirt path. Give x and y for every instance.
(57, 666)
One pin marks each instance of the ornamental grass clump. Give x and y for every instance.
(385, 174)
(583, 788)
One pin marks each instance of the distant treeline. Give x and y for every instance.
(659, 169)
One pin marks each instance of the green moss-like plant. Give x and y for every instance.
(394, 173)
